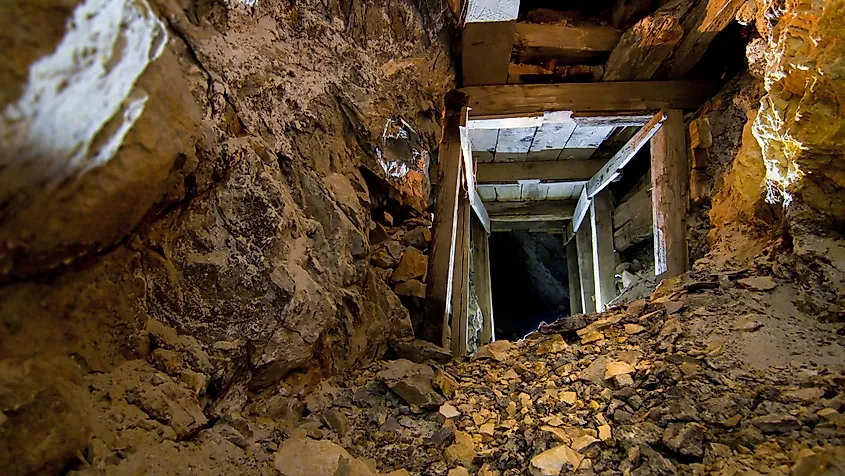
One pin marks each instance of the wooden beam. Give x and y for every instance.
(604, 260)
(600, 119)
(670, 192)
(613, 168)
(481, 280)
(547, 171)
(459, 315)
(646, 45)
(574, 278)
(581, 210)
(557, 227)
(486, 52)
(567, 45)
(537, 210)
(633, 219)
(537, 119)
(584, 245)
(438, 288)
(523, 99)
(469, 173)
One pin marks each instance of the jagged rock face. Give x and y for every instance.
(209, 165)
(800, 126)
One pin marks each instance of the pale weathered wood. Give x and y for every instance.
(469, 173)
(604, 261)
(536, 210)
(574, 278)
(537, 119)
(459, 308)
(613, 168)
(599, 119)
(548, 171)
(486, 52)
(550, 139)
(438, 288)
(556, 227)
(567, 45)
(633, 219)
(581, 210)
(481, 280)
(700, 134)
(670, 182)
(645, 46)
(514, 144)
(513, 100)
(584, 245)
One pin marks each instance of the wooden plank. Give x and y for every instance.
(598, 119)
(647, 44)
(568, 45)
(574, 279)
(547, 171)
(508, 193)
(581, 210)
(700, 134)
(486, 52)
(532, 190)
(513, 144)
(550, 139)
(633, 219)
(520, 99)
(557, 227)
(670, 192)
(564, 190)
(469, 173)
(584, 141)
(604, 260)
(613, 168)
(481, 280)
(538, 210)
(460, 289)
(584, 245)
(537, 119)
(483, 142)
(438, 289)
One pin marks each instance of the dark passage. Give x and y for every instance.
(530, 282)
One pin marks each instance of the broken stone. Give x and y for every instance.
(745, 325)
(446, 383)
(337, 421)
(604, 432)
(448, 411)
(495, 350)
(758, 283)
(776, 423)
(462, 451)
(673, 306)
(583, 442)
(418, 238)
(411, 288)
(412, 382)
(592, 336)
(459, 471)
(445, 436)
(552, 345)
(299, 456)
(568, 397)
(414, 264)
(551, 462)
(557, 433)
(632, 329)
(617, 368)
(487, 429)
(685, 438)
(804, 395)
(420, 351)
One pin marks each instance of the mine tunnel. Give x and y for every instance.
(422, 238)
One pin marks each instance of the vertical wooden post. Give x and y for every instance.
(574, 279)
(584, 244)
(439, 286)
(460, 278)
(604, 260)
(481, 279)
(670, 193)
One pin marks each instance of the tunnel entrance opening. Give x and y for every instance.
(529, 281)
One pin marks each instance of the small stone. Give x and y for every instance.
(418, 238)
(324, 458)
(448, 411)
(446, 383)
(592, 336)
(776, 423)
(412, 382)
(337, 421)
(673, 306)
(487, 429)
(167, 361)
(623, 381)
(617, 368)
(462, 451)
(686, 439)
(568, 397)
(632, 329)
(604, 432)
(420, 351)
(552, 345)
(557, 433)
(829, 414)
(582, 442)
(746, 325)
(445, 436)
(758, 283)
(495, 350)
(411, 288)
(551, 462)
(459, 471)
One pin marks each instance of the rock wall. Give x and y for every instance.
(214, 167)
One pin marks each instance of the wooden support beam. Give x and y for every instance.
(604, 261)
(584, 245)
(556, 227)
(537, 210)
(481, 280)
(526, 99)
(574, 279)
(567, 45)
(487, 40)
(613, 168)
(547, 171)
(469, 173)
(633, 219)
(458, 319)
(439, 285)
(590, 119)
(582, 208)
(670, 193)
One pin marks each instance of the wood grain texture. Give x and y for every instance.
(574, 278)
(568, 45)
(481, 280)
(549, 171)
(512, 100)
(584, 245)
(556, 227)
(535, 210)
(486, 53)
(633, 219)
(604, 261)
(458, 319)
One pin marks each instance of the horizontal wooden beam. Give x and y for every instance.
(547, 171)
(536, 210)
(568, 45)
(531, 226)
(628, 96)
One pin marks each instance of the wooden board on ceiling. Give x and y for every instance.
(514, 144)
(568, 45)
(557, 227)
(630, 96)
(519, 192)
(584, 142)
(549, 140)
(483, 143)
(548, 171)
(531, 210)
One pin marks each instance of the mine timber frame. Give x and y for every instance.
(462, 222)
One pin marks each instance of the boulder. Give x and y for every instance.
(412, 382)
(414, 264)
(411, 288)
(420, 351)
(300, 456)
